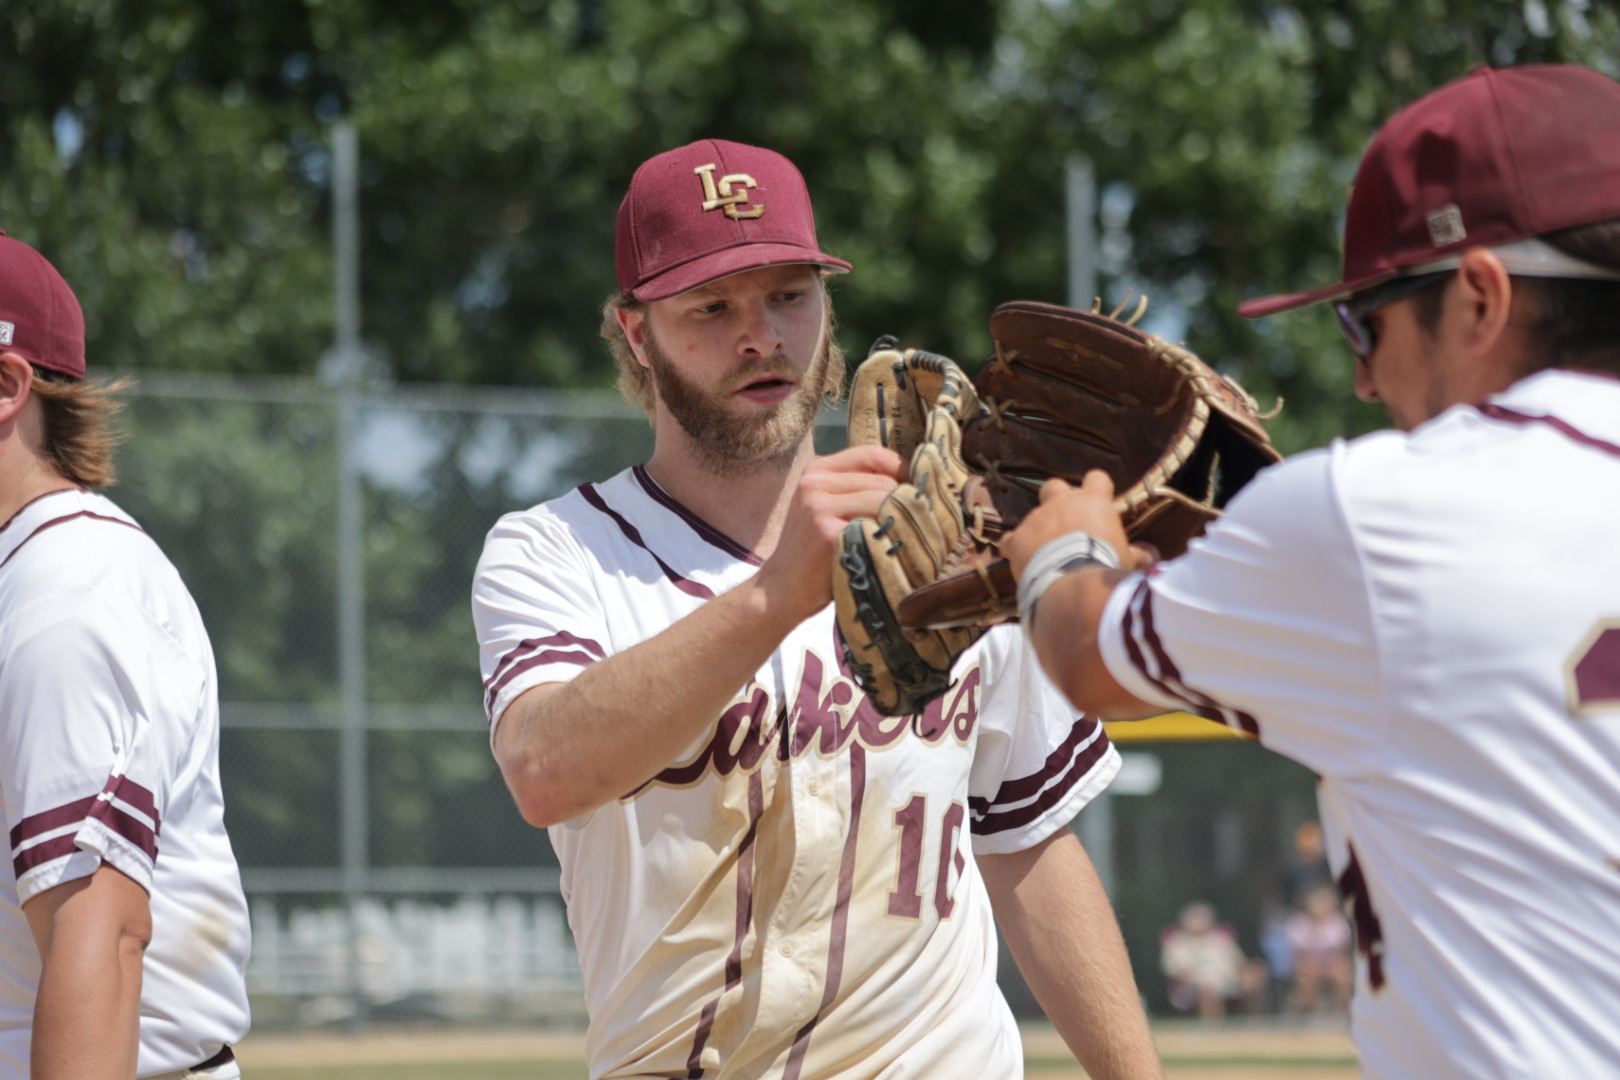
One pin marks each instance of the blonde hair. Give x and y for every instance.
(79, 435)
(635, 381)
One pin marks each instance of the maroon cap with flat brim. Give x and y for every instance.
(40, 318)
(1499, 155)
(710, 209)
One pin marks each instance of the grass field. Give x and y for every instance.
(1190, 1052)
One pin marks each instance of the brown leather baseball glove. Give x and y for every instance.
(1070, 391)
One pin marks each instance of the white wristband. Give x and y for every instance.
(1052, 560)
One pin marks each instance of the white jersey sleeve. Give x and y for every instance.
(97, 788)
(1270, 615)
(1038, 761)
(539, 620)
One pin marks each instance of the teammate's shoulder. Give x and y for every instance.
(75, 536)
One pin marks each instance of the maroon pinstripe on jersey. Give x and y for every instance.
(1513, 416)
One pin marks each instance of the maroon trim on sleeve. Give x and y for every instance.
(43, 822)
(573, 650)
(125, 824)
(745, 917)
(988, 821)
(55, 848)
(1512, 416)
(100, 808)
(128, 791)
(1171, 683)
(631, 533)
(1056, 762)
(839, 937)
(708, 532)
(63, 519)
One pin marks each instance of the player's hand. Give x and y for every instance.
(832, 491)
(1064, 509)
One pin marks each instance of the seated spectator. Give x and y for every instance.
(1320, 936)
(1206, 967)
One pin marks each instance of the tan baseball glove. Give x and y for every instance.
(1070, 391)
(915, 403)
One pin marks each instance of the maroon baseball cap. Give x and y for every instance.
(40, 318)
(1499, 155)
(709, 209)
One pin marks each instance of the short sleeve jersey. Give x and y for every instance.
(1431, 622)
(794, 896)
(109, 740)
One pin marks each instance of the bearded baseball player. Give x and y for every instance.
(765, 877)
(123, 928)
(1428, 618)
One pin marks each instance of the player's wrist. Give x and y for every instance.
(1055, 559)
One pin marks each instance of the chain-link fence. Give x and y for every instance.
(330, 540)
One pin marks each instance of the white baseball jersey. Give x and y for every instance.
(109, 740)
(794, 895)
(1431, 622)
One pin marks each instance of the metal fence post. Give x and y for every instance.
(347, 363)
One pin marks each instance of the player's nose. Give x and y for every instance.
(1365, 390)
(758, 331)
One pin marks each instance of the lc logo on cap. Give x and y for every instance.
(718, 194)
(7, 330)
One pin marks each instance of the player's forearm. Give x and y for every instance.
(567, 749)
(92, 936)
(1061, 929)
(1067, 641)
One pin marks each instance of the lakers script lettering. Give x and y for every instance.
(825, 714)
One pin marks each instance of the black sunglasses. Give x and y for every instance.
(1353, 312)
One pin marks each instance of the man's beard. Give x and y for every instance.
(725, 440)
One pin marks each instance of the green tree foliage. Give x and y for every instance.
(171, 154)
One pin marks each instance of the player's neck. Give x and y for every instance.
(747, 501)
(24, 478)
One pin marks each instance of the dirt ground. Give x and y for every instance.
(1190, 1052)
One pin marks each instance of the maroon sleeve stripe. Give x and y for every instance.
(40, 854)
(1171, 682)
(66, 518)
(46, 820)
(549, 656)
(104, 812)
(1056, 762)
(995, 821)
(561, 637)
(125, 824)
(708, 532)
(118, 787)
(1512, 416)
(127, 790)
(631, 533)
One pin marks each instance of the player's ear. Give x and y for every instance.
(1486, 294)
(633, 321)
(16, 376)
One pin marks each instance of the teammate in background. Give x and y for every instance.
(764, 876)
(123, 929)
(1429, 618)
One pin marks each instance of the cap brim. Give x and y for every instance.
(732, 260)
(1272, 305)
